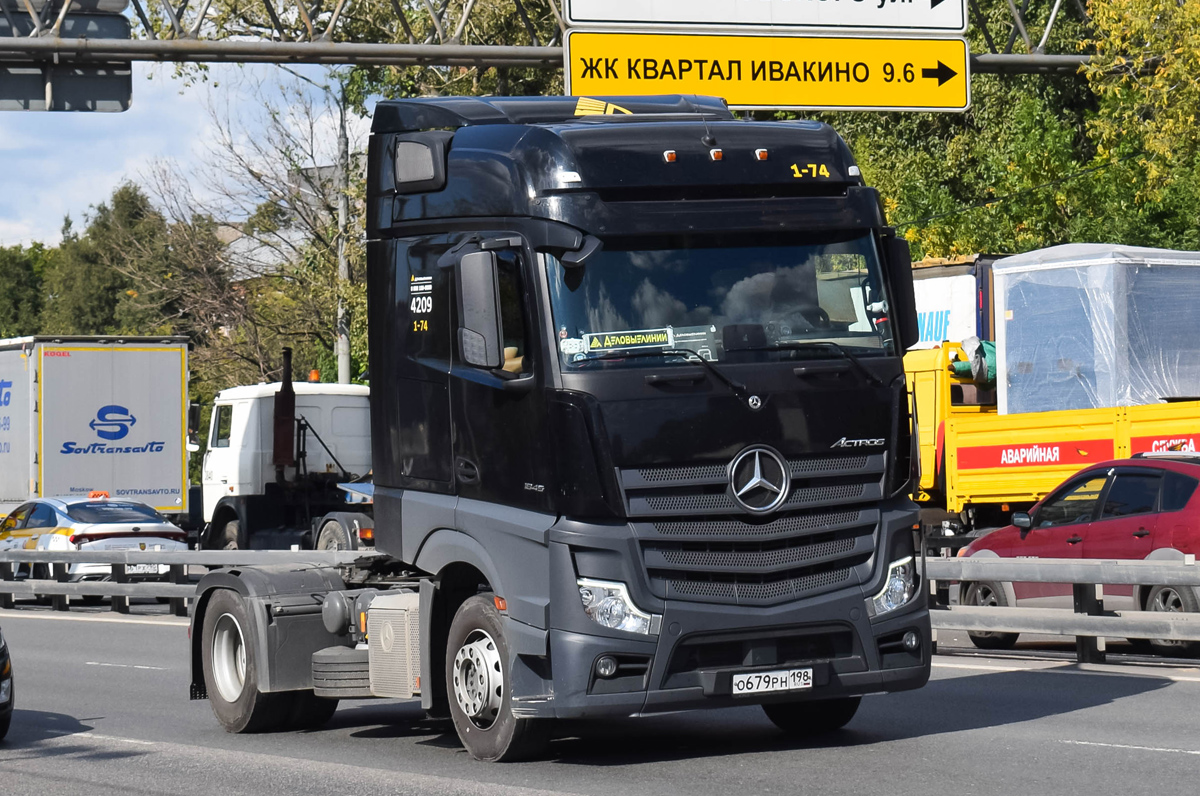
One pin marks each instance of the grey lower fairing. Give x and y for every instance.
(534, 562)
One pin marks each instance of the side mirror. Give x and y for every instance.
(479, 310)
(193, 429)
(904, 304)
(1022, 520)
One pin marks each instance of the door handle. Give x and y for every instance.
(1075, 540)
(1140, 532)
(467, 471)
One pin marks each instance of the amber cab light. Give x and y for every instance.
(669, 156)
(715, 154)
(760, 154)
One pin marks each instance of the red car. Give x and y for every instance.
(1146, 507)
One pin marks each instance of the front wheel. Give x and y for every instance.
(478, 684)
(231, 665)
(1173, 599)
(816, 717)
(988, 594)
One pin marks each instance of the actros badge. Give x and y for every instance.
(857, 443)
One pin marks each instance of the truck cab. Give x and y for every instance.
(640, 430)
(248, 500)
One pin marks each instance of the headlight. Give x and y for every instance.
(3, 643)
(5, 690)
(898, 588)
(608, 604)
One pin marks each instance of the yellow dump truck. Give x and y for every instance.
(978, 466)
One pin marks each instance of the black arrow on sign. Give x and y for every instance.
(935, 3)
(942, 73)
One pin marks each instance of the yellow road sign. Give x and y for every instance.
(766, 71)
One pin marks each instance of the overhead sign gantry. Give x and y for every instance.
(774, 54)
(943, 16)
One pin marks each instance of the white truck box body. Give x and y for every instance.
(79, 415)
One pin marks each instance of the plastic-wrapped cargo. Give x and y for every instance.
(1081, 326)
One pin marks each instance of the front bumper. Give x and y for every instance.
(851, 656)
(701, 645)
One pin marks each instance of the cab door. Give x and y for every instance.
(219, 473)
(501, 451)
(1126, 526)
(1060, 526)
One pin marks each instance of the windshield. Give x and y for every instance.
(719, 300)
(112, 512)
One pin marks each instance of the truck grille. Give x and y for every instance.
(813, 544)
(817, 481)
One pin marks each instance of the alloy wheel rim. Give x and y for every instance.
(479, 679)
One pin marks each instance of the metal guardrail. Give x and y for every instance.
(1090, 623)
(175, 585)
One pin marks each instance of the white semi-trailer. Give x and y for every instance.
(94, 414)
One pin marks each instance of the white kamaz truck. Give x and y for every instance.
(285, 466)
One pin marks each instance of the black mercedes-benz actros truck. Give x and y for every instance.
(641, 436)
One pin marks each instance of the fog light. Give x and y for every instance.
(911, 641)
(606, 666)
(608, 603)
(898, 588)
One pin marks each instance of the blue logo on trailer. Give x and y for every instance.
(112, 422)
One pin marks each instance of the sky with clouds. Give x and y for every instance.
(58, 164)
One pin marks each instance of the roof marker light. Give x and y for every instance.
(760, 154)
(669, 156)
(715, 154)
(853, 171)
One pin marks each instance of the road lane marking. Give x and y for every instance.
(127, 666)
(97, 737)
(5, 615)
(1134, 748)
(1058, 669)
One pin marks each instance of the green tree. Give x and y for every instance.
(21, 299)
(80, 291)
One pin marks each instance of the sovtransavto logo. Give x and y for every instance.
(112, 423)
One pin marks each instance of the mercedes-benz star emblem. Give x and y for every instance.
(759, 480)
(754, 402)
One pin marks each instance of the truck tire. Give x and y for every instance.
(985, 593)
(230, 663)
(310, 711)
(334, 537)
(1173, 599)
(229, 537)
(478, 686)
(813, 717)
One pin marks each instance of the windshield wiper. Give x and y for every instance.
(736, 387)
(797, 345)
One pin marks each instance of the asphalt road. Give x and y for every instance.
(102, 709)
